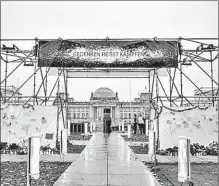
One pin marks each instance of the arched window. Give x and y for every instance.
(121, 115)
(125, 116)
(74, 116)
(83, 115)
(78, 115)
(129, 115)
(87, 115)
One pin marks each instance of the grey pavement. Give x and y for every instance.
(107, 161)
(174, 159)
(51, 158)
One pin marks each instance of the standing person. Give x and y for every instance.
(135, 123)
(140, 124)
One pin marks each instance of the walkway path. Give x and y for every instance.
(107, 161)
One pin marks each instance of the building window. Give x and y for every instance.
(129, 115)
(121, 115)
(78, 115)
(125, 116)
(74, 116)
(83, 115)
(87, 115)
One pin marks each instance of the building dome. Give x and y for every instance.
(104, 92)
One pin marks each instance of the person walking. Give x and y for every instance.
(135, 123)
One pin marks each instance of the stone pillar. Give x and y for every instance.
(151, 149)
(34, 157)
(123, 126)
(129, 130)
(68, 126)
(85, 128)
(63, 141)
(94, 126)
(73, 128)
(119, 125)
(91, 126)
(184, 167)
(146, 127)
(76, 128)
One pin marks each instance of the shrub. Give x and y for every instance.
(3, 145)
(13, 146)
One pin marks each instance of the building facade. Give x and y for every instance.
(104, 106)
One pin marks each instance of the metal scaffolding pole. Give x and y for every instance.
(150, 99)
(212, 82)
(157, 116)
(57, 101)
(6, 72)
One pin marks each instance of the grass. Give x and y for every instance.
(136, 138)
(14, 173)
(202, 174)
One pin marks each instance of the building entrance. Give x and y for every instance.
(106, 120)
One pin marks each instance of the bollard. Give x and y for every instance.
(151, 148)
(64, 142)
(33, 158)
(184, 173)
(129, 130)
(85, 128)
(91, 127)
(68, 126)
(146, 127)
(123, 127)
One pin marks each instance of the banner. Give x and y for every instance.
(108, 54)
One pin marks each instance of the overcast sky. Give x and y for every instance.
(70, 20)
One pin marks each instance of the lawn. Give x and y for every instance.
(136, 137)
(14, 173)
(202, 174)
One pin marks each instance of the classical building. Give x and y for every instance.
(103, 108)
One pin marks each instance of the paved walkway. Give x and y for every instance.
(107, 161)
(174, 159)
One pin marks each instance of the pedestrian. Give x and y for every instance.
(135, 123)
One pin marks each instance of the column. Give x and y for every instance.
(68, 126)
(77, 128)
(85, 128)
(64, 141)
(73, 128)
(146, 127)
(151, 149)
(129, 130)
(123, 126)
(119, 125)
(34, 157)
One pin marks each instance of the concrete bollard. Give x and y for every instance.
(151, 148)
(123, 127)
(91, 126)
(68, 126)
(146, 127)
(129, 130)
(63, 142)
(34, 157)
(85, 128)
(184, 173)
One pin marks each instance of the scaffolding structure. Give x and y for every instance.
(201, 51)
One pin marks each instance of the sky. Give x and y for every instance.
(142, 19)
